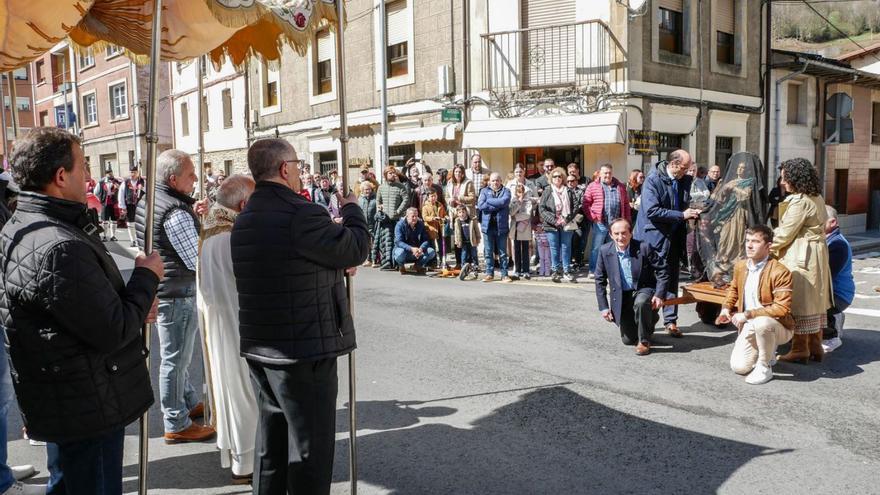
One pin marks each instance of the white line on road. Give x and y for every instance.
(864, 312)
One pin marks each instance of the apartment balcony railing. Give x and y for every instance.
(580, 55)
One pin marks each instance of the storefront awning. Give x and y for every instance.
(414, 134)
(560, 130)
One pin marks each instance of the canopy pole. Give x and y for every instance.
(13, 105)
(152, 139)
(349, 288)
(9, 77)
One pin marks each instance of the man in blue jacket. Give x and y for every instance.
(494, 204)
(411, 243)
(636, 276)
(662, 221)
(840, 259)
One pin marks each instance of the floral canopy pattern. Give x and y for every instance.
(190, 28)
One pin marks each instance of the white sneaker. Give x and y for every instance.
(760, 375)
(22, 472)
(831, 344)
(19, 488)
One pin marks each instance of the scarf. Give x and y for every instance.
(563, 205)
(219, 220)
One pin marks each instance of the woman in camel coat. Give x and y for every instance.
(799, 243)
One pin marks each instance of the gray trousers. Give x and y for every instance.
(638, 318)
(297, 435)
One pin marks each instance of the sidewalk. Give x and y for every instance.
(865, 242)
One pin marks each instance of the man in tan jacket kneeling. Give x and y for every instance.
(759, 304)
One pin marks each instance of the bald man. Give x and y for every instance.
(662, 221)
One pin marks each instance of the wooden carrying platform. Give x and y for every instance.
(699, 292)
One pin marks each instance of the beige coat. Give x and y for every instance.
(799, 243)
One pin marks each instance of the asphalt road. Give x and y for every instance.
(472, 388)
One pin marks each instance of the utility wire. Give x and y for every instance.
(805, 2)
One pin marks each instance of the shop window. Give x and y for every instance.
(398, 155)
(723, 151)
(667, 143)
(327, 161)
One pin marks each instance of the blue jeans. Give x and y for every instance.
(469, 253)
(6, 396)
(402, 256)
(178, 326)
(560, 249)
(92, 466)
(493, 241)
(600, 236)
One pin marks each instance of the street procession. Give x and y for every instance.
(436, 247)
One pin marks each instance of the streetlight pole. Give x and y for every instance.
(383, 60)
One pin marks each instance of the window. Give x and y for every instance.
(227, 108)
(184, 119)
(671, 31)
(90, 109)
(398, 155)
(270, 79)
(23, 103)
(723, 150)
(203, 66)
(118, 101)
(20, 74)
(875, 123)
(397, 22)
(841, 185)
(327, 162)
(724, 48)
(794, 103)
(323, 83)
(44, 118)
(205, 121)
(667, 143)
(86, 59)
(131, 161)
(40, 69)
(227, 167)
(113, 50)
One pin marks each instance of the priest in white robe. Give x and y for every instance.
(235, 405)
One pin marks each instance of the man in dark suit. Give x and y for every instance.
(662, 222)
(637, 276)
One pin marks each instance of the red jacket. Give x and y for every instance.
(594, 200)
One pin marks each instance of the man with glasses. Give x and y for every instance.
(662, 221)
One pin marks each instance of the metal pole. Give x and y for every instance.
(9, 77)
(152, 138)
(201, 89)
(67, 124)
(349, 288)
(383, 60)
(13, 104)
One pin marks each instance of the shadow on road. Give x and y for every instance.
(551, 440)
(187, 472)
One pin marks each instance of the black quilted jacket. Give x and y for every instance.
(72, 323)
(288, 258)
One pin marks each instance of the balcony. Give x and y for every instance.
(585, 56)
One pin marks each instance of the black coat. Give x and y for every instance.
(649, 273)
(73, 325)
(288, 259)
(547, 208)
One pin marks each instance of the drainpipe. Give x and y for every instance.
(466, 69)
(777, 109)
(136, 107)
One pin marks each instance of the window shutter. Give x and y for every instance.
(675, 5)
(724, 18)
(325, 46)
(542, 13)
(397, 25)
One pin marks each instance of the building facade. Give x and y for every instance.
(24, 104)
(224, 118)
(105, 96)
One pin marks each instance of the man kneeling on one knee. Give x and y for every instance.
(411, 242)
(636, 275)
(759, 304)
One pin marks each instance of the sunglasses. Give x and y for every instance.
(556, 176)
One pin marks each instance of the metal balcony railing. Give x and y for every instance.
(581, 54)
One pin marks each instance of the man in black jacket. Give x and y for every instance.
(637, 277)
(288, 259)
(72, 323)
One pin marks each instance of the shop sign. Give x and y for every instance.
(643, 142)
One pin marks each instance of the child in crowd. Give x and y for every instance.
(434, 214)
(543, 246)
(466, 236)
(521, 229)
(367, 202)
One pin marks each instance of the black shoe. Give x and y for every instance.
(556, 277)
(465, 271)
(113, 238)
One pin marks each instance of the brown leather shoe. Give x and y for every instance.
(195, 433)
(402, 270)
(198, 411)
(245, 479)
(643, 349)
(673, 331)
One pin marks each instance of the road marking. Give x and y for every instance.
(864, 312)
(860, 296)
